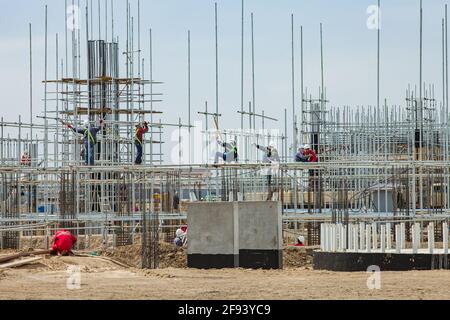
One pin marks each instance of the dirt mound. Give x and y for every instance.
(172, 257)
(84, 242)
(83, 264)
(169, 256)
(298, 257)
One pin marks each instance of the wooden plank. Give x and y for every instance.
(4, 259)
(20, 263)
(121, 264)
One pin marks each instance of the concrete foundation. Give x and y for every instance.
(235, 234)
(360, 262)
(260, 235)
(213, 240)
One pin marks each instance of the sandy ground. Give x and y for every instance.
(104, 280)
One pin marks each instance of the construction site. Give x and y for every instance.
(378, 194)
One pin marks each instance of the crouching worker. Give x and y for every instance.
(181, 237)
(63, 243)
(300, 242)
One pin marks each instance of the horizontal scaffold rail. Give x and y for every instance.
(248, 166)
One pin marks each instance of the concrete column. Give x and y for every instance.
(431, 238)
(328, 241)
(388, 236)
(362, 235)
(374, 237)
(403, 234)
(344, 238)
(368, 236)
(398, 238)
(383, 238)
(355, 238)
(338, 237)
(322, 237)
(333, 238)
(328, 237)
(418, 236)
(350, 237)
(415, 243)
(445, 237)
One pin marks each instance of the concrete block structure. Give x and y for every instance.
(260, 235)
(213, 235)
(235, 234)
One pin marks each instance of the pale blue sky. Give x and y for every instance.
(350, 50)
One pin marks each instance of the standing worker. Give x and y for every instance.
(63, 243)
(138, 141)
(270, 153)
(270, 156)
(90, 140)
(309, 156)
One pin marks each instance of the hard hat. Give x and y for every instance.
(307, 147)
(301, 239)
(86, 123)
(179, 233)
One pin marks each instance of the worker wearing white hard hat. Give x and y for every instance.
(230, 153)
(270, 156)
(300, 241)
(306, 154)
(270, 153)
(180, 239)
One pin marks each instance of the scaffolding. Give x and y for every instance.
(384, 163)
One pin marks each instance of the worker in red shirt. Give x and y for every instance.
(63, 243)
(300, 242)
(26, 159)
(310, 154)
(138, 141)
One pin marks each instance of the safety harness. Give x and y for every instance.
(136, 133)
(235, 151)
(86, 132)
